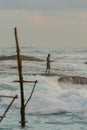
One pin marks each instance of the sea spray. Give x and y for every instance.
(53, 105)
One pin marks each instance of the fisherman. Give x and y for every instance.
(48, 64)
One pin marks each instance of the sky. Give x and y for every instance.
(44, 23)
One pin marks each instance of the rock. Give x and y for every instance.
(26, 58)
(73, 79)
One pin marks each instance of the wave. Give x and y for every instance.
(79, 115)
(61, 112)
(33, 50)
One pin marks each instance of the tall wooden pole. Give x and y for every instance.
(22, 111)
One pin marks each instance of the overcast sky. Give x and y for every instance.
(44, 23)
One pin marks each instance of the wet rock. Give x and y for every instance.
(26, 58)
(73, 80)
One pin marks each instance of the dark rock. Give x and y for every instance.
(26, 58)
(73, 79)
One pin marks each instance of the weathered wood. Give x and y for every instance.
(6, 96)
(31, 93)
(24, 81)
(4, 115)
(20, 79)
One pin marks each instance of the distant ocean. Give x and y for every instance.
(54, 105)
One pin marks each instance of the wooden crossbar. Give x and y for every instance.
(24, 81)
(7, 96)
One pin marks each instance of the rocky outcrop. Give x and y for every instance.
(14, 57)
(73, 80)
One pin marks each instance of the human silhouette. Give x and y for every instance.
(48, 64)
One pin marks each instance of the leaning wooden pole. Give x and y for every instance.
(3, 116)
(22, 111)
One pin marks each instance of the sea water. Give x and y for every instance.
(54, 105)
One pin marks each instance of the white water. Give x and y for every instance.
(53, 105)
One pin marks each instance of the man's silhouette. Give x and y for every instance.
(48, 64)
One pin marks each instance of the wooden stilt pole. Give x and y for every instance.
(22, 111)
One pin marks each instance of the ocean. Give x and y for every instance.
(54, 105)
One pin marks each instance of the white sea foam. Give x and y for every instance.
(50, 97)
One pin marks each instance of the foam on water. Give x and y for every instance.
(50, 96)
(53, 105)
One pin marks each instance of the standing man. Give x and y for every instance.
(48, 64)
